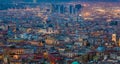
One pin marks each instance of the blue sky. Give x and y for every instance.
(2, 1)
(75, 0)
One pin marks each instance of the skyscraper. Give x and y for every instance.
(78, 7)
(62, 9)
(71, 9)
(54, 8)
(58, 8)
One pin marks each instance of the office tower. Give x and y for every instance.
(51, 8)
(62, 9)
(58, 8)
(78, 7)
(54, 8)
(71, 9)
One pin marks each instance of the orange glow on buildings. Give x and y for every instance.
(114, 37)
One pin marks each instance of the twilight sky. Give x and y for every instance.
(2, 1)
(73, 0)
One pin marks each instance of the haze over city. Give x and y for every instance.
(59, 0)
(59, 31)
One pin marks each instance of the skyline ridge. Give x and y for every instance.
(17, 1)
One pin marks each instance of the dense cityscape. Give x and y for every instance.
(59, 32)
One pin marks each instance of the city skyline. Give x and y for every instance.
(60, 32)
(2, 1)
